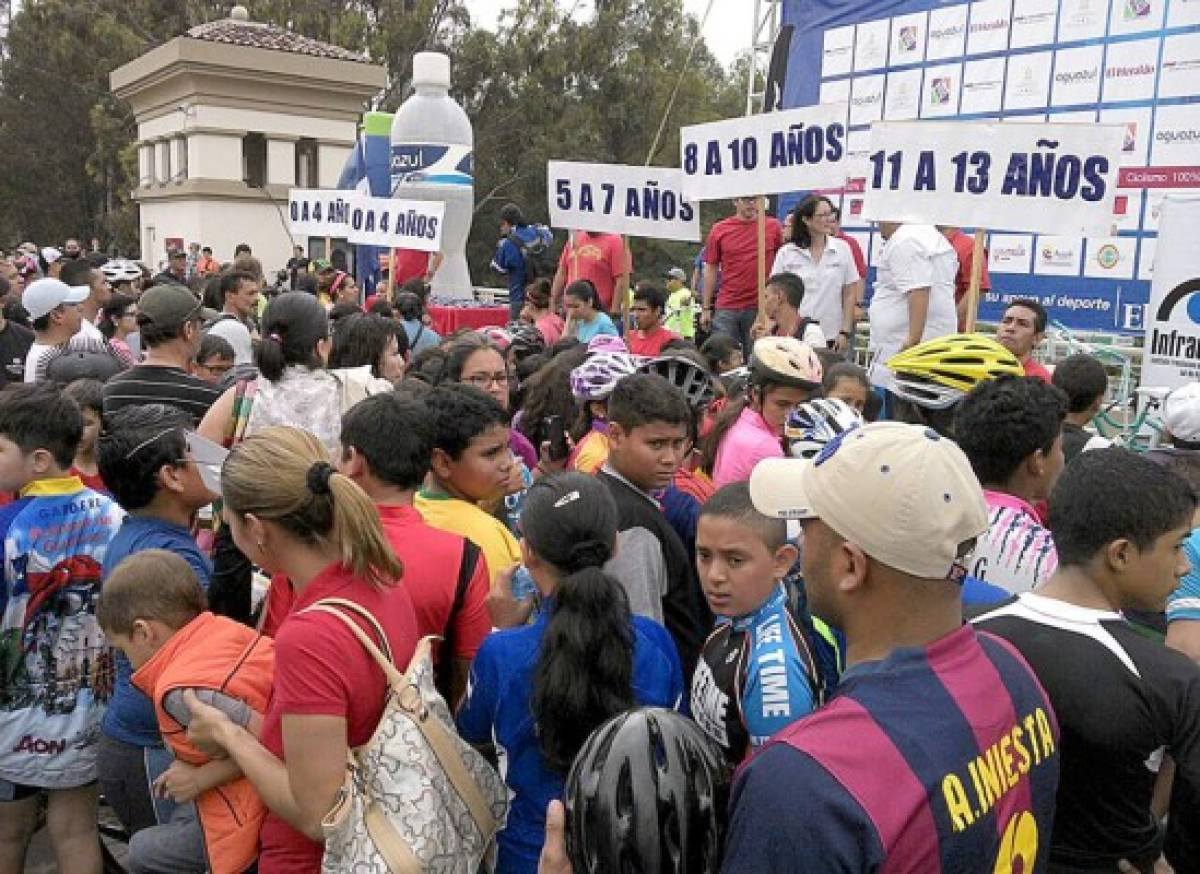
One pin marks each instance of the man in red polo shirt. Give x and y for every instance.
(1021, 330)
(964, 248)
(732, 253)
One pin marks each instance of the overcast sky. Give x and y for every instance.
(727, 30)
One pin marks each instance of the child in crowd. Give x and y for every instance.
(649, 433)
(1085, 382)
(722, 353)
(847, 382)
(145, 455)
(89, 394)
(757, 672)
(471, 463)
(153, 610)
(591, 384)
(56, 671)
(586, 318)
(538, 691)
(214, 360)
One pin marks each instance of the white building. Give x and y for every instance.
(230, 116)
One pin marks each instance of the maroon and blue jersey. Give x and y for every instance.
(941, 759)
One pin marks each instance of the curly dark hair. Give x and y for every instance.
(1003, 421)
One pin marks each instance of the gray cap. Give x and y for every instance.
(168, 307)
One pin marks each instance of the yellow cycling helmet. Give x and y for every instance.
(938, 373)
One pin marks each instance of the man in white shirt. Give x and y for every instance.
(53, 308)
(914, 293)
(239, 296)
(81, 273)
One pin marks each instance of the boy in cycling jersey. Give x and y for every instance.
(757, 673)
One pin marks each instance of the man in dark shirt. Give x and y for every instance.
(176, 272)
(170, 319)
(15, 341)
(1123, 700)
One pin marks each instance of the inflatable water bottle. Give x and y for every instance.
(432, 146)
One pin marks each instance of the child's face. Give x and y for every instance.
(91, 432)
(145, 639)
(18, 468)
(733, 362)
(648, 455)
(737, 570)
(851, 391)
(778, 401)
(214, 368)
(481, 473)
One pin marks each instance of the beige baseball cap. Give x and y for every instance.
(903, 494)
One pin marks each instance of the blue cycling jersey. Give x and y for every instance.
(756, 675)
(1184, 602)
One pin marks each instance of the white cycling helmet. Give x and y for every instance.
(121, 270)
(811, 425)
(785, 361)
(595, 379)
(686, 375)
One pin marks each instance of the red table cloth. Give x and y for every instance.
(447, 320)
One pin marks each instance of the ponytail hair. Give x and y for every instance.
(305, 496)
(584, 673)
(293, 325)
(585, 290)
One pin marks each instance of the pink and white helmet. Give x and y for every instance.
(595, 379)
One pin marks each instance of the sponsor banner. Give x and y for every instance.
(866, 99)
(395, 224)
(939, 98)
(836, 91)
(1045, 178)
(1159, 177)
(1183, 13)
(1135, 16)
(1171, 355)
(1109, 257)
(1057, 256)
(871, 45)
(765, 154)
(318, 212)
(1033, 23)
(1127, 209)
(982, 86)
(1180, 66)
(947, 33)
(1176, 135)
(1130, 69)
(618, 199)
(988, 30)
(1010, 253)
(1135, 146)
(837, 56)
(1082, 19)
(1076, 76)
(903, 96)
(908, 39)
(1146, 256)
(1027, 85)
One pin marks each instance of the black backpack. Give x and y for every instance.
(539, 260)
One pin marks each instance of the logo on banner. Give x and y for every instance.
(1135, 9)
(867, 99)
(1185, 291)
(906, 40)
(1026, 87)
(939, 91)
(1181, 135)
(1057, 256)
(1075, 77)
(1129, 144)
(1119, 72)
(1108, 256)
(988, 26)
(1011, 253)
(946, 33)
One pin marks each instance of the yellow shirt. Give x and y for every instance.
(590, 453)
(500, 549)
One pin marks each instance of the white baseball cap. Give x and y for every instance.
(1181, 413)
(43, 295)
(50, 254)
(903, 494)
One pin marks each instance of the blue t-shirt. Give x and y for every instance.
(602, 324)
(130, 716)
(1184, 602)
(420, 335)
(498, 710)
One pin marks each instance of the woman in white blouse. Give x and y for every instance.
(826, 266)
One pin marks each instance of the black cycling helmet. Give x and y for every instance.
(526, 339)
(647, 793)
(686, 375)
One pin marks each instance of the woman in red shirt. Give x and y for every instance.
(321, 531)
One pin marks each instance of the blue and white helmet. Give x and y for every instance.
(814, 423)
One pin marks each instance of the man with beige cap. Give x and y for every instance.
(939, 750)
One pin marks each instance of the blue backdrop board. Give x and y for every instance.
(1129, 62)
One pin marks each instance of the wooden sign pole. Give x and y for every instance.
(760, 319)
(625, 297)
(976, 278)
(391, 282)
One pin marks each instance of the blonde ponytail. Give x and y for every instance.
(283, 475)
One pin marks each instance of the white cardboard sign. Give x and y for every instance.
(791, 150)
(318, 212)
(620, 199)
(1044, 178)
(397, 224)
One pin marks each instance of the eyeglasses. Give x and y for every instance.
(483, 380)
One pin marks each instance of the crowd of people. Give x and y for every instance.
(708, 595)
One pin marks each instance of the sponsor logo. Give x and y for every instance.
(939, 91)
(1181, 135)
(1129, 144)
(40, 746)
(867, 100)
(1117, 72)
(1108, 256)
(951, 32)
(1026, 87)
(1076, 77)
(1014, 252)
(1057, 255)
(906, 40)
(1121, 204)
(1136, 9)
(988, 26)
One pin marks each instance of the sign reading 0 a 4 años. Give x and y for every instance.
(765, 154)
(399, 224)
(1045, 178)
(619, 199)
(1171, 355)
(318, 212)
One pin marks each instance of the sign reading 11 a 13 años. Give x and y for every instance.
(1043, 178)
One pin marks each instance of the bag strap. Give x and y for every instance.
(332, 607)
(420, 331)
(466, 571)
(435, 734)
